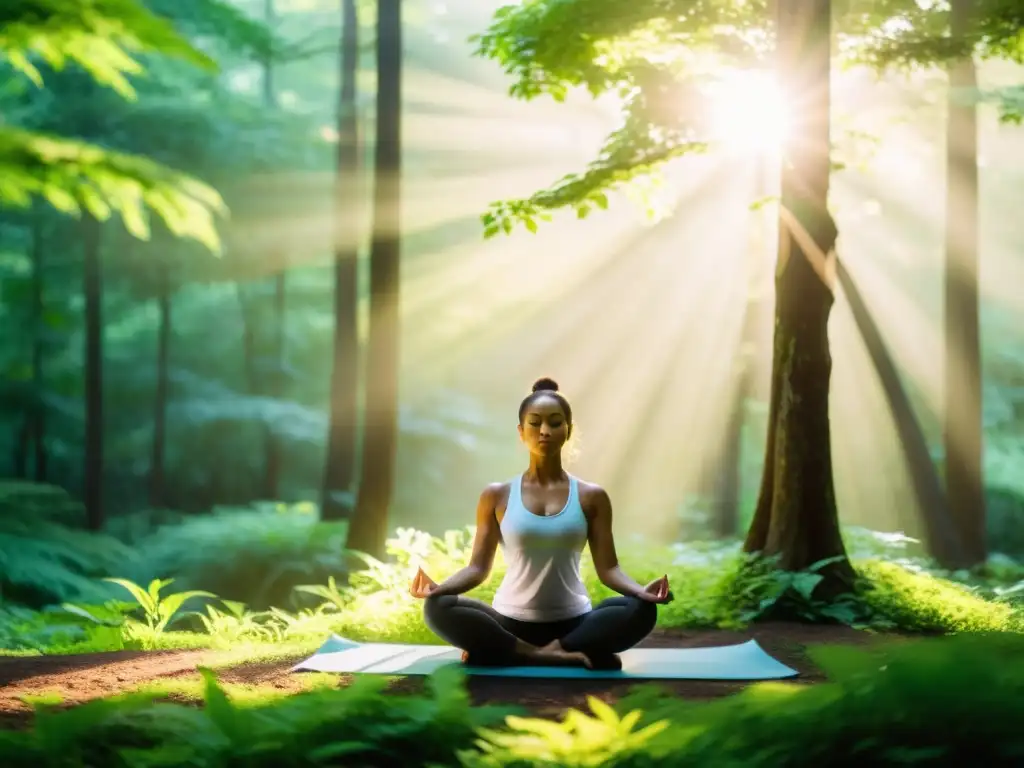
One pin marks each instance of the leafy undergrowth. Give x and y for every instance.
(945, 701)
(714, 586)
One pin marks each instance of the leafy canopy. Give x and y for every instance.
(661, 57)
(106, 39)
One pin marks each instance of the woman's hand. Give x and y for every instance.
(422, 585)
(657, 592)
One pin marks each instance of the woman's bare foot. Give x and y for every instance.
(553, 654)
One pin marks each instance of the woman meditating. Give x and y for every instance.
(541, 613)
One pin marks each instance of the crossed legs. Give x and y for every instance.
(613, 626)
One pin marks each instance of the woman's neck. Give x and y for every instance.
(545, 469)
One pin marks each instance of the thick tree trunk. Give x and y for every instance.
(93, 290)
(163, 346)
(942, 538)
(368, 530)
(339, 470)
(963, 435)
(796, 517)
(39, 334)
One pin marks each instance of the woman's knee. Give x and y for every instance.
(436, 609)
(645, 614)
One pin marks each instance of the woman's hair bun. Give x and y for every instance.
(545, 385)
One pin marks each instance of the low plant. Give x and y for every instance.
(933, 702)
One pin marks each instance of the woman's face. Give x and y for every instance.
(544, 430)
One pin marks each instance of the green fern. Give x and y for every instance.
(159, 610)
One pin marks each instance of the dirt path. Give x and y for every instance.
(88, 676)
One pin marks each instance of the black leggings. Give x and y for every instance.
(611, 627)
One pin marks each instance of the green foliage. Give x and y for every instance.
(159, 610)
(903, 33)
(579, 741)
(355, 726)
(43, 563)
(252, 556)
(921, 602)
(715, 585)
(218, 21)
(76, 177)
(658, 59)
(1011, 103)
(30, 502)
(949, 701)
(99, 37)
(932, 702)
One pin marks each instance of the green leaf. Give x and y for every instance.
(805, 583)
(74, 176)
(140, 594)
(172, 603)
(224, 715)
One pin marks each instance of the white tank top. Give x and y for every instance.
(542, 554)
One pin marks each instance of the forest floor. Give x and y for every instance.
(80, 678)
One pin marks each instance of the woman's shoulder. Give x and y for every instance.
(497, 492)
(590, 491)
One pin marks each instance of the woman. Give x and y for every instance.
(541, 613)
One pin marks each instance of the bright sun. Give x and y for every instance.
(747, 112)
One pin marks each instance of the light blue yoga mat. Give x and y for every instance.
(744, 661)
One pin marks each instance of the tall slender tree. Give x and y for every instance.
(796, 516)
(368, 530)
(342, 432)
(275, 377)
(963, 419)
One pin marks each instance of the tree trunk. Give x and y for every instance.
(339, 471)
(963, 434)
(272, 456)
(796, 518)
(368, 530)
(252, 385)
(272, 462)
(93, 290)
(726, 521)
(156, 467)
(942, 539)
(248, 342)
(41, 458)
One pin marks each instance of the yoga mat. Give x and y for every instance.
(744, 661)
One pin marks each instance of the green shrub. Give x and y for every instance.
(38, 502)
(938, 702)
(42, 563)
(922, 602)
(356, 727)
(1005, 520)
(255, 556)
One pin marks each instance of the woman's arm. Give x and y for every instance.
(484, 546)
(598, 508)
